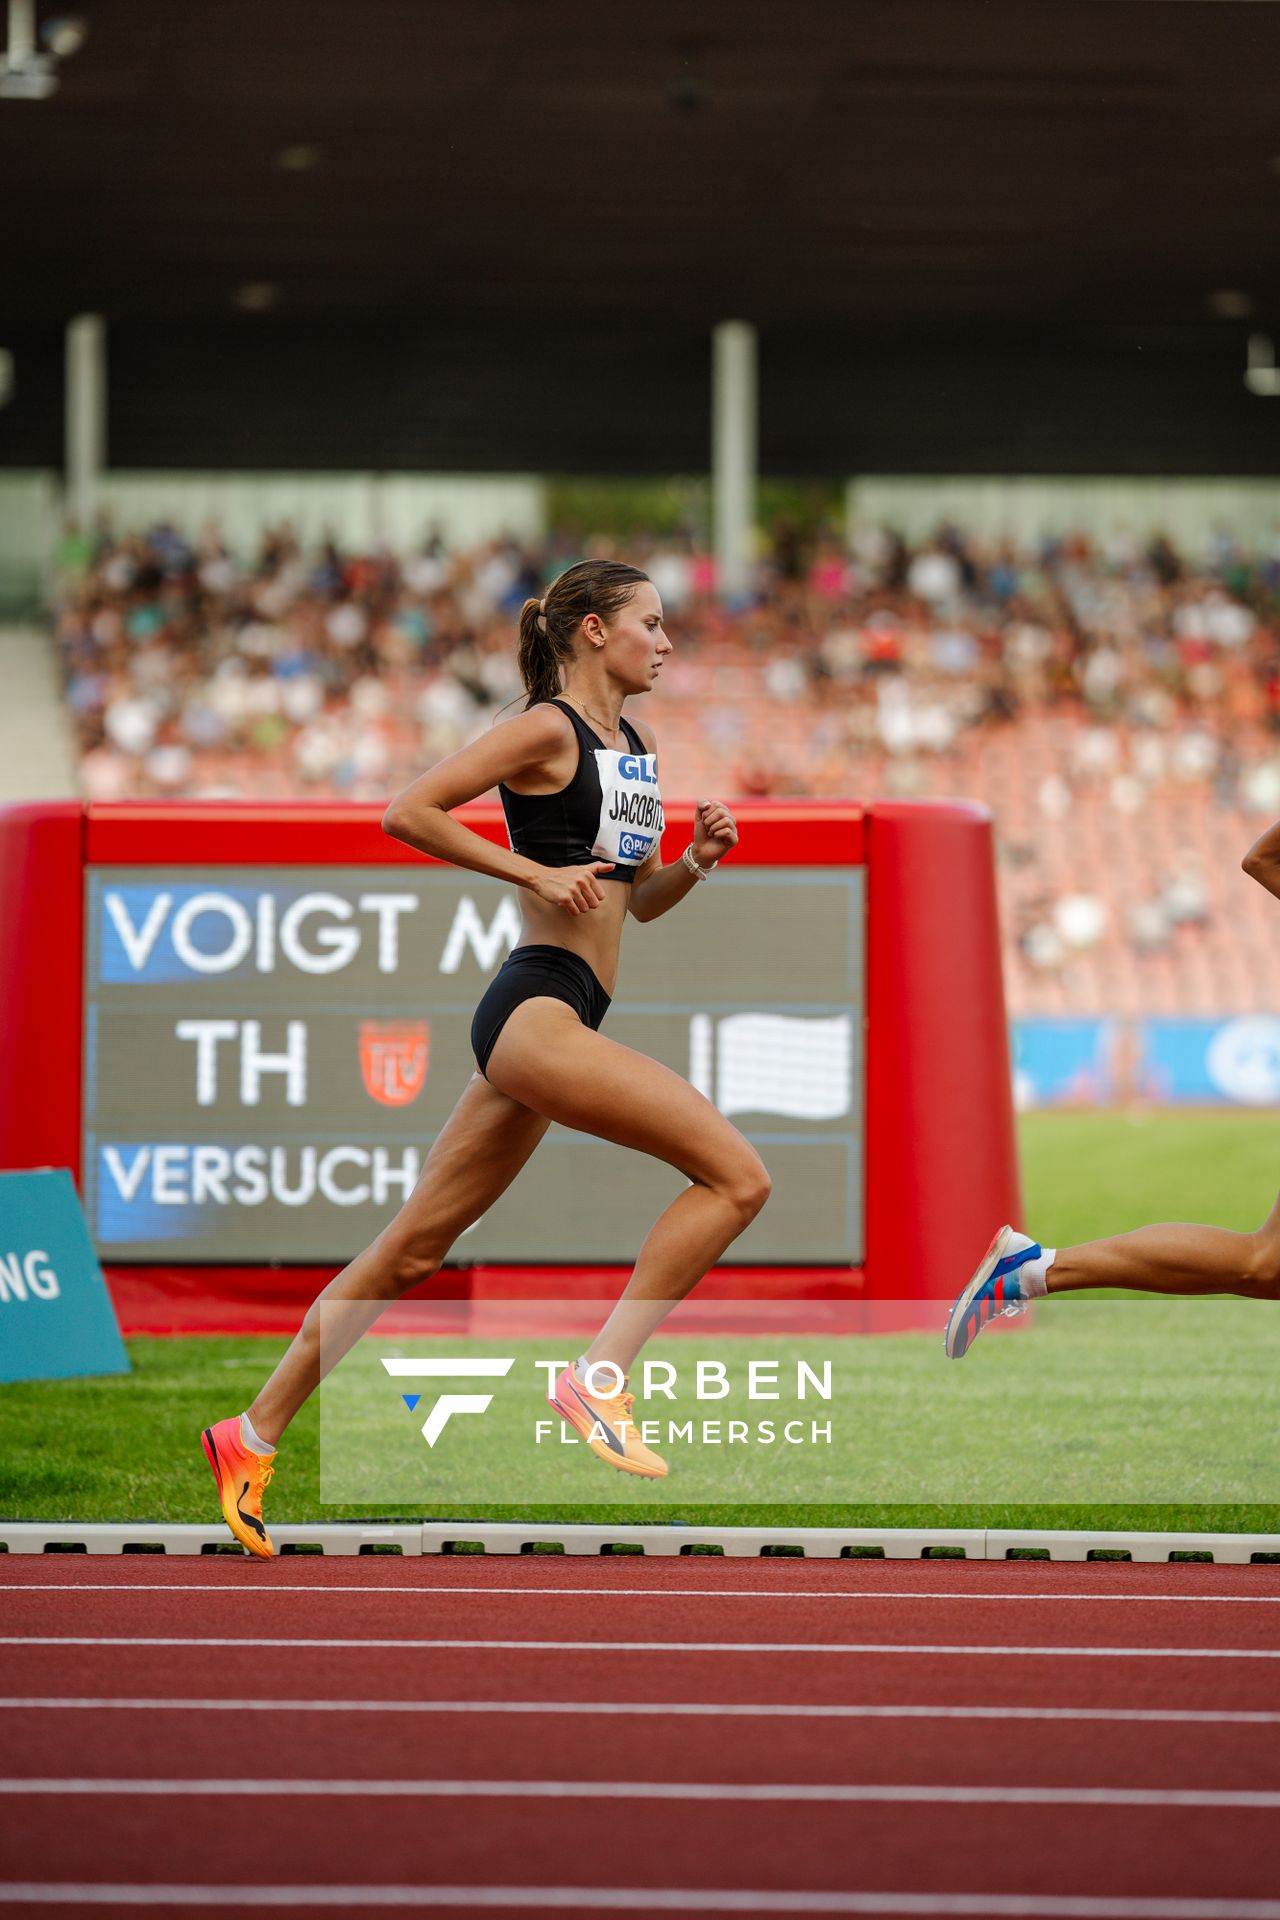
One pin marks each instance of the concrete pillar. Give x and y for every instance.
(86, 413)
(733, 452)
(22, 32)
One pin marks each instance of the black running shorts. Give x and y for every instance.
(529, 971)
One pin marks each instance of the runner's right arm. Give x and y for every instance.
(1262, 862)
(421, 815)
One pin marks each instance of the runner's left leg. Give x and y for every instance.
(1176, 1259)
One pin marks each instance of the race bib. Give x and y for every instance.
(630, 807)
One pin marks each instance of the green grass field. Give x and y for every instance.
(127, 1448)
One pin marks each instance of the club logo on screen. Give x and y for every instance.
(393, 1059)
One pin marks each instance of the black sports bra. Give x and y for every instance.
(610, 810)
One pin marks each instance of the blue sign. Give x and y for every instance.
(1232, 1061)
(56, 1317)
(1211, 1061)
(1064, 1062)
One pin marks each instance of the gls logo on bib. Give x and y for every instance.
(631, 819)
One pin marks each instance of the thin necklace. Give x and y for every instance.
(592, 716)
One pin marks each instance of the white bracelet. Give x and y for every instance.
(703, 873)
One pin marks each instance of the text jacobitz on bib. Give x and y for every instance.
(631, 819)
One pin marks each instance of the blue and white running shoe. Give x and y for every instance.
(995, 1289)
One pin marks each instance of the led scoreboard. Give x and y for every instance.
(243, 1026)
(268, 1056)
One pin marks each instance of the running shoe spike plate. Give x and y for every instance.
(605, 1422)
(241, 1478)
(994, 1290)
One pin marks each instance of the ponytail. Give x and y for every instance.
(540, 654)
(547, 626)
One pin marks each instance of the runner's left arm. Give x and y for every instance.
(657, 888)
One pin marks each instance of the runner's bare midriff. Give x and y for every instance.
(595, 936)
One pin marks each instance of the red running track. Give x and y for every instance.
(680, 1736)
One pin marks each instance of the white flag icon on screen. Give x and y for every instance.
(791, 1064)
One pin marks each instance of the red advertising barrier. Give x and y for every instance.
(929, 1106)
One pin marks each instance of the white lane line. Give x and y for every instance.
(697, 1709)
(642, 1593)
(1252, 1799)
(961, 1906)
(1003, 1650)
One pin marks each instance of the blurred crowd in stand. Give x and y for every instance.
(1116, 705)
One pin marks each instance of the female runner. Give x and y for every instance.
(578, 785)
(1164, 1259)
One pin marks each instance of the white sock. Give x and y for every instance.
(250, 1438)
(1033, 1275)
(602, 1386)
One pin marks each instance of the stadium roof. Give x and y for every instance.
(1046, 180)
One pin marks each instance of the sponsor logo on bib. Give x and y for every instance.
(631, 818)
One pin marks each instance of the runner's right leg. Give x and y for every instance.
(545, 1058)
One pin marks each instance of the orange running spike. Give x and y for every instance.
(241, 1477)
(606, 1424)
